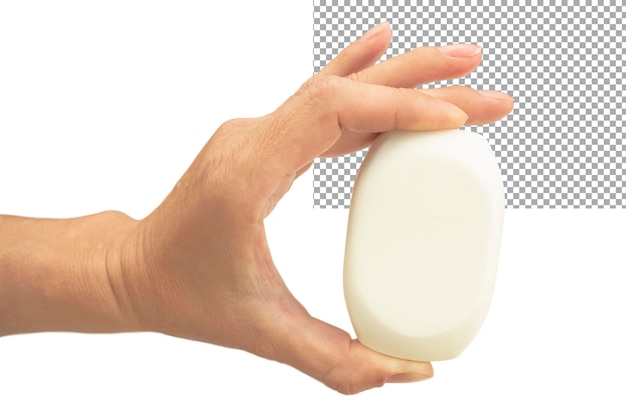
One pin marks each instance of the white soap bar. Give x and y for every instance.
(423, 242)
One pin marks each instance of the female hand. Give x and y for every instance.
(199, 267)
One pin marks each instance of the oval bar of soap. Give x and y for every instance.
(423, 243)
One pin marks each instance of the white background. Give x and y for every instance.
(103, 105)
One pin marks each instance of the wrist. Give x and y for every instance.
(55, 274)
(118, 262)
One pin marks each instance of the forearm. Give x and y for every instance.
(54, 274)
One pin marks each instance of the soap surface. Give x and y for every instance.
(423, 242)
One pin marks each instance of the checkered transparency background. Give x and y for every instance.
(563, 144)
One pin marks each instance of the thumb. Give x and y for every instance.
(331, 356)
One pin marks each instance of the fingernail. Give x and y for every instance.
(461, 50)
(375, 31)
(408, 377)
(496, 95)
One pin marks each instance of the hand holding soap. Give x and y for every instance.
(423, 242)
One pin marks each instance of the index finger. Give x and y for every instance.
(313, 120)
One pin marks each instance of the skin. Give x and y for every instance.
(199, 266)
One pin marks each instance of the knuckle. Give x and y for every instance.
(318, 104)
(231, 127)
(345, 389)
(358, 77)
(406, 99)
(460, 88)
(451, 91)
(348, 385)
(350, 381)
(337, 380)
(342, 386)
(320, 89)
